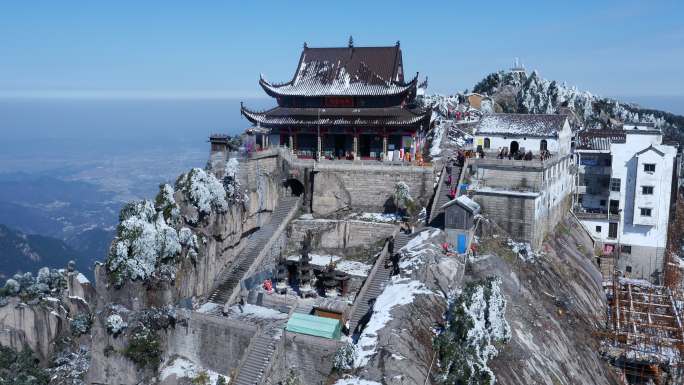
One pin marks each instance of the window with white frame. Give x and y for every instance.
(649, 167)
(646, 211)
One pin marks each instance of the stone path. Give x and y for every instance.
(436, 215)
(377, 283)
(231, 277)
(260, 353)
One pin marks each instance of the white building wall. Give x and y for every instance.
(555, 144)
(647, 236)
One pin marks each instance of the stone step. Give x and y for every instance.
(255, 243)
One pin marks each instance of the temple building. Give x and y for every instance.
(344, 103)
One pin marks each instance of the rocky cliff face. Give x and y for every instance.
(175, 247)
(168, 253)
(396, 346)
(554, 301)
(37, 313)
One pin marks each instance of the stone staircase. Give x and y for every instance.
(259, 355)
(231, 277)
(377, 283)
(436, 215)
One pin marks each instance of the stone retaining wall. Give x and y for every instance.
(339, 234)
(215, 343)
(366, 188)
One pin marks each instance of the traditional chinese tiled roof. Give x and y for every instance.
(535, 125)
(390, 116)
(350, 71)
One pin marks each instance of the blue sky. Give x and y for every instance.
(205, 49)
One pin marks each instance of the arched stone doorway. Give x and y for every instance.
(294, 187)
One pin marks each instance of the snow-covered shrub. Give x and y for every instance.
(144, 240)
(402, 198)
(144, 348)
(344, 357)
(231, 183)
(70, 368)
(187, 238)
(476, 324)
(204, 191)
(115, 324)
(12, 287)
(25, 285)
(80, 324)
(166, 203)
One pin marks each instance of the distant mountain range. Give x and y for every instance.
(47, 221)
(20, 252)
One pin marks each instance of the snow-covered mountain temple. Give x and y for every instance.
(344, 103)
(362, 232)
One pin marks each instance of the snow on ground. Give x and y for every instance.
(356, 268)
(208, 307)
(255, 311)
(523, 249)
(400, 291)
(355, 381)
(438, 134)
(416, 248)
(82, 279)
(377, 217)
(317, 259)
(635, 282)
(350, 267)
(182, 368)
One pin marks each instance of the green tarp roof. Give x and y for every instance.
(314, 326)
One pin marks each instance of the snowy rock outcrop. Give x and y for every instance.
(36, 312)
(522, 93)
(396, 345)
(553, 303)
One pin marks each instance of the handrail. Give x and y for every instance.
(369, 278)
(438, 192)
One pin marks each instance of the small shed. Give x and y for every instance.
(314, 326)
(459, 219)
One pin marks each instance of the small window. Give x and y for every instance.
(646, 212)
(649, 167)
(627, 249)
(628, 269)
(615, 184)
(598, 229)
(647, 190)
(603, 202)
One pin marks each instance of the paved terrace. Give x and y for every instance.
(286, 154)
(491, 160)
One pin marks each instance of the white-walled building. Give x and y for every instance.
(524, 132)
(528, 191)
(624, 194)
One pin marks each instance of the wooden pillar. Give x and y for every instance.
(356, 146)
(292, 144)
(384, 146)
(318, 145)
